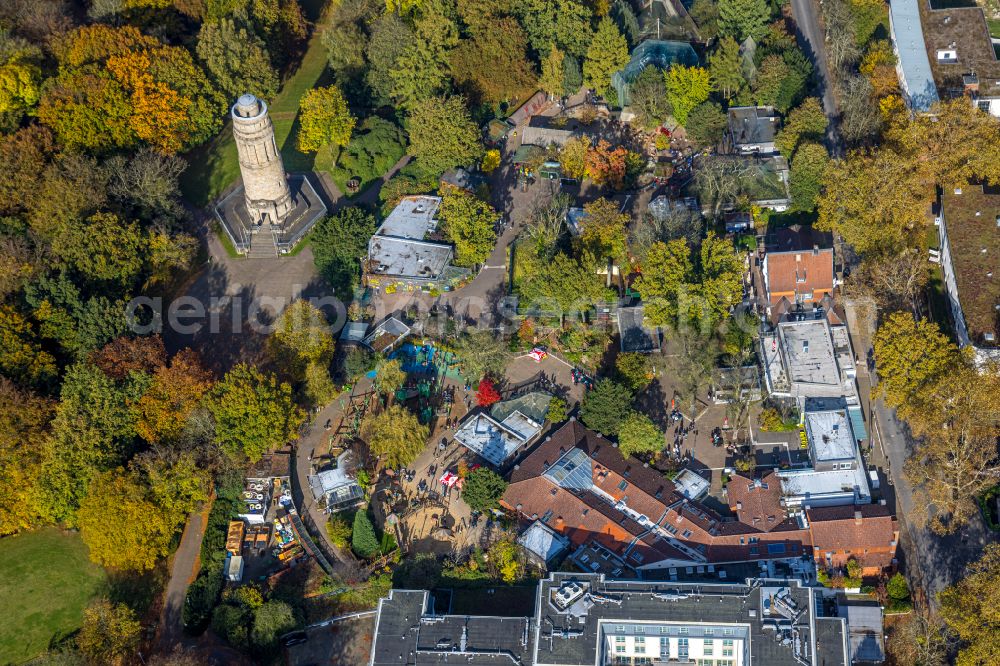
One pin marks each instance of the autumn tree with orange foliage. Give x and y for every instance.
(124, 355)
(118, 88)
(606, 165)
(176, 391)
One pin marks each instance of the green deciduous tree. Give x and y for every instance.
(743, 18)
(607, 53)
(103, 248)
(236, 59)
(565, 23)
(725, 67)
(421, 69)
(806, 122)
(121, 524)
(648, 97)
(606, 406)
(254, 413)
(634, 369)
(482, 489)
(552, 78)
(806, 178)
(603, 235)
(638, 434)
(493, 66)
(469, 223)
(93, 431)
(563, 285)
(721, 276)
(302, 337)
(389, 37)
(395, 436)
(706, 124)
(481, 353)
(324, 119)
(110, 633)
(687, 87)
(273, 619)
(389, 376)
(664, 273)
(338, 243)
(970, 606)
(557, 410)
(442, 135)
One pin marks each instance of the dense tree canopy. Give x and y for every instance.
(482, 488)
(638, 434)
(324, 119)
(606, 406)
(608, 53)
(254, 413)
(395, 436)
(469, 223)
(117, 88)
(442, 135)
(338, 244)
(687, 87)
(121, 525)
(970, 609)
(236, 59)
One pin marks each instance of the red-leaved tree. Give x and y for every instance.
(487, 394)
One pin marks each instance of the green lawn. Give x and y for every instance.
(46, 582)
(213, 166)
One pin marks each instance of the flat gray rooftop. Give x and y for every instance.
(412, 218)
(679, 604)
(830, 435)
(399, 257)
(776, 616)
(914, 66)
(405, 636)
(808, 349)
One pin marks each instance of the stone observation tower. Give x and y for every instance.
(271, 211)
(268, 198)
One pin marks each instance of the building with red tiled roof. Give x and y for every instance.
(866, 533)
(579, 484)
(756, 502)
(798, 267)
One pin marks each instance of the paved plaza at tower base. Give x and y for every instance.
(307, 209)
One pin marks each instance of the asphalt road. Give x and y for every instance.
(811, 38)
(171, 630)
(932, 562)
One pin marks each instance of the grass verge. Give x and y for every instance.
(214, 166)
(47, 581)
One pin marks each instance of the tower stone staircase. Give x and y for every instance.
(262, 244)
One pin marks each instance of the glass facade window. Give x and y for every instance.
(682, 648)
(727, 642)
(709, 631)
(709, 648)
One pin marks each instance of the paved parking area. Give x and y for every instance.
(337, 644)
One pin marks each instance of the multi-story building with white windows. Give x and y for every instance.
(586, 620)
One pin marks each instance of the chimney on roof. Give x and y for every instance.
(739, 506)
(559, 521)
(857, 517)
